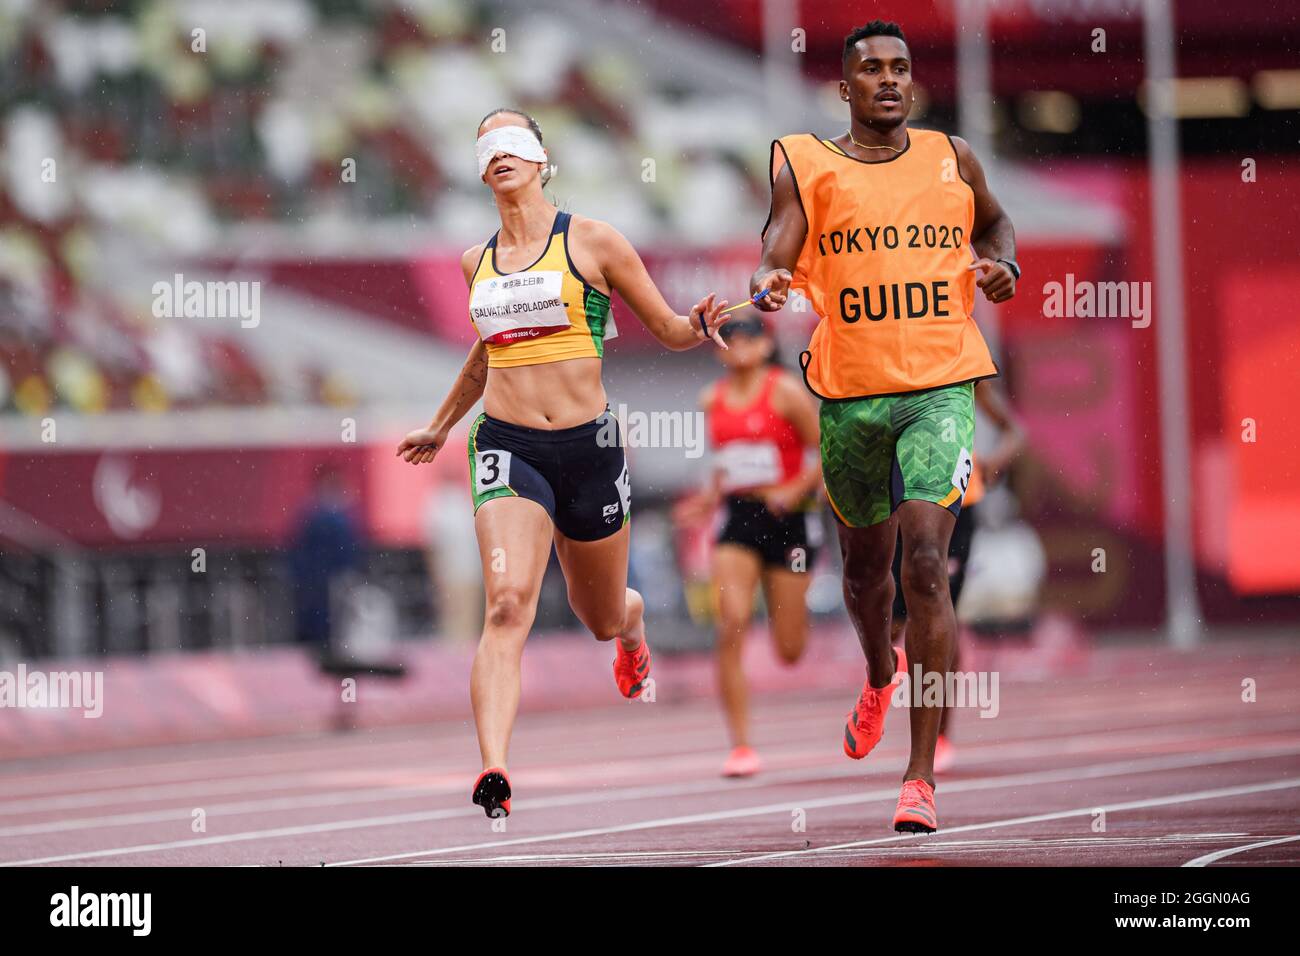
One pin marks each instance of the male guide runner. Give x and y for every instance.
(875, 228)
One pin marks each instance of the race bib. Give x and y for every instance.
(961, 474)
(491, 470)
(749, 464)
(523, 306)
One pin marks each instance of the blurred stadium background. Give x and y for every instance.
(164, 480)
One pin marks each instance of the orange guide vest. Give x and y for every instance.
(884, 266)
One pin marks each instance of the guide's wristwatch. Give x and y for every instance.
(1012, 265)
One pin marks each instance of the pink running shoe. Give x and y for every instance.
(742, 762)
(867, 721)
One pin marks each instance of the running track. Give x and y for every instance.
(1186, 772)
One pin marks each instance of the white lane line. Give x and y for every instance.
(707, 752)
(262, 770)
(1169, 800)
(438, 781)
(74, 780)
(581, 857)
(207, 789)
(703, 787)
(798, 776)
(1008, 844)
(337, 798)
(260, 752)
(413, 744)
(301, 780)
(1086, 772)
(379, 795)
(1220, 854)
(270, 779)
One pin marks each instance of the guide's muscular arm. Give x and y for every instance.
(993, 237)
(782, 244)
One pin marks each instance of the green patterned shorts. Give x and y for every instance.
(880, 452)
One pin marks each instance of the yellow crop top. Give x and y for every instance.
(544, 313)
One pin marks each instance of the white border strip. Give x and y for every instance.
(1220, 854)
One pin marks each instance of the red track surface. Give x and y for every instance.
(1163, 743)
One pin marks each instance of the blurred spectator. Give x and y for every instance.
(326, 546)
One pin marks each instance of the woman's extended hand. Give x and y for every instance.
(420, 446)
(706, 318)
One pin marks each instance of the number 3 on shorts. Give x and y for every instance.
(491, 470)
(961, 474)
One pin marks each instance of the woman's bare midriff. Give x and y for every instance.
(549, 396)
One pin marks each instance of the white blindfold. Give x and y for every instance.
(511, 140)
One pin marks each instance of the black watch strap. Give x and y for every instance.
(1012, 265)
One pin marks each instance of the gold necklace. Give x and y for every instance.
(865, 146)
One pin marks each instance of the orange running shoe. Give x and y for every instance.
(492, 792)
(742, 762)
(916, 812)
(945, 754)
(867, 720)
(632, 669)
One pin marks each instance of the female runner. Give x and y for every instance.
(546, 457)
(763, 428)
